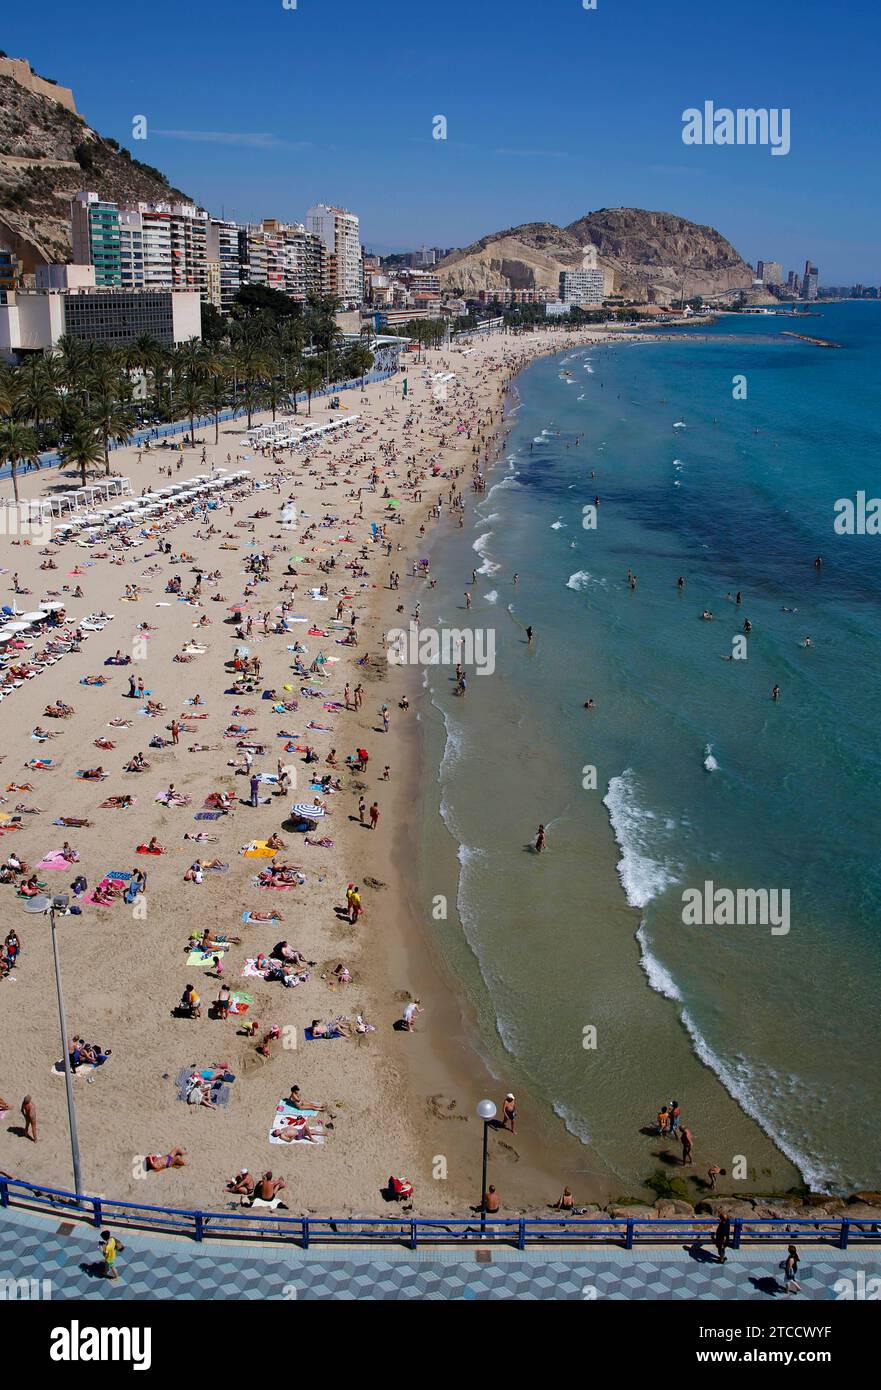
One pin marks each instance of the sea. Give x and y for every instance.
(719, 455)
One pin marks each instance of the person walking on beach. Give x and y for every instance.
(722, 1236)
(714, 1172)
(663, 1122)
(374, 816)
(686, 1140)
(255, 789)
(509, 1112)
(790, 1270)
(29, 1115)
(110, 1248)
(362, 807)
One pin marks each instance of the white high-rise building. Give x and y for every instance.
(340, 232)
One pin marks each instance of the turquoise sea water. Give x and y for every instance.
(700, 775)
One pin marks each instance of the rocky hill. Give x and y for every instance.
(47, 154)
(648, 256)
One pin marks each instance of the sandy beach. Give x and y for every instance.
(396, 1102)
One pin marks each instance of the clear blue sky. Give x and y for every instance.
(552, 111)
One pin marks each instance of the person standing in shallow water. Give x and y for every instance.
(540, 840)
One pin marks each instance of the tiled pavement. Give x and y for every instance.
(38, 1248)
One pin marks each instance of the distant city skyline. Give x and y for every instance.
(547, 115)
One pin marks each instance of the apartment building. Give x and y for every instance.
(582, 287)
(94, 231)
(340, 232)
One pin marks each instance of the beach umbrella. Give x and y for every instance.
(36, 617)
(55, 604)
(17, 627)
(304, 812)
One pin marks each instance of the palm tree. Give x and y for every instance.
(18, 444)
(112, 421)
(9, 388)
(313, 379)
(193, 398)
(219, 376)
(252, 365)
(360, 360)
(37, 398)
(84, 447)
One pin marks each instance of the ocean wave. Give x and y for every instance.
(679, 425)
(505, 483)
(574, 1123)
(558, 525)
(582, 579)
(750, 1090)
(643, 877)
(658, 975)
(492, 596)
(709, 761)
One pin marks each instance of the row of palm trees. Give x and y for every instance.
(87, 396)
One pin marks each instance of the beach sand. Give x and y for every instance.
(401, 1103)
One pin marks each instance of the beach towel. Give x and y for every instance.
(85, 1069)
(260, 921)
(240, 1003)
(54, 862)
(198, 957)
(335, 1037)
(120, 875)
(110, 805)
(219, 1089)
(250, 970)
(257, 849)
(206, 815)
(81, 773)
(283, 1114)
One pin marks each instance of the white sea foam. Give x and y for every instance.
(574, 1123)
(679, 425)
(558, 525)
(709, 761)
(740, 1080)
(643, 876)
(492, 596)
(658, 975)
(505, 483)
(583, 579)
(750, 1090)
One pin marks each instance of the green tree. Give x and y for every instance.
(84, 448)
(18, 444)
(313, 380)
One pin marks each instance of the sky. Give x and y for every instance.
(552, 111)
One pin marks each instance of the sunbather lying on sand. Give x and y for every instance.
(155, 1163)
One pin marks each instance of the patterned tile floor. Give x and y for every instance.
(38, 1249)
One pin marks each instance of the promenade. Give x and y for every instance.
(37, 1248)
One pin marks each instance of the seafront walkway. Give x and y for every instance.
(49, 1257)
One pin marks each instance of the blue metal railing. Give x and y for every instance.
(521, 1232)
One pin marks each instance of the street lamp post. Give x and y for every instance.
(61, 902)
(486, 1111)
